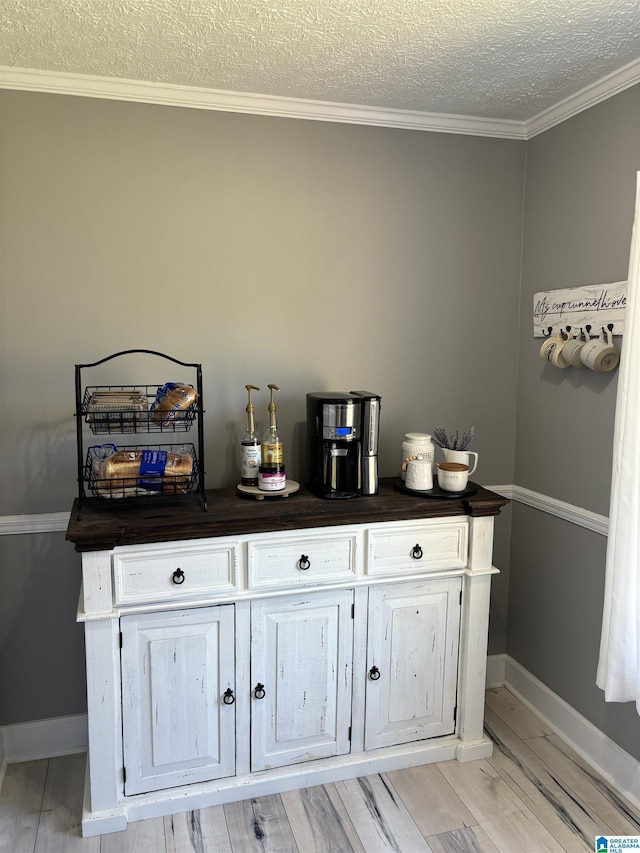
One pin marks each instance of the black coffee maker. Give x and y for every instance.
(342, 443)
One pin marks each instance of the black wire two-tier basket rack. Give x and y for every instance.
(129, 437)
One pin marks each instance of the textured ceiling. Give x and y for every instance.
(503, 59)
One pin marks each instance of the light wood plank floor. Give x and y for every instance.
(534, 794)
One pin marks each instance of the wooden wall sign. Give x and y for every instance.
(596, 305)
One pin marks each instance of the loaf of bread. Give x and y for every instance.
(172, 401)
(152, 470)
(113, 410)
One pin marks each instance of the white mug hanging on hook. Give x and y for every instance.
(572, 349)
(600, 354)
(551, 349)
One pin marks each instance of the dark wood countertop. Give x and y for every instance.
(230, 513)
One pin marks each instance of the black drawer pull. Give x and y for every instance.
(416, 552)
(259, 691)
(303, 562)
(178, 576)
(228, 697)
(374, 673)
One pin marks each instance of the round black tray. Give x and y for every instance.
(436, 491)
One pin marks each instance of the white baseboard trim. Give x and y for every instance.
(3, 760)
(496, 671)
(44, 738)
(615, 765)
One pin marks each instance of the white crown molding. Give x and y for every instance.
(607, 87)
(241, 102)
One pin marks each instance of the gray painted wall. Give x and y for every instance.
(268, 249)
(41, 645)
(313, 255)
(580, 191)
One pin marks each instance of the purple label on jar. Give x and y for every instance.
(271, 482)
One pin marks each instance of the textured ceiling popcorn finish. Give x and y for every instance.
(501, 59)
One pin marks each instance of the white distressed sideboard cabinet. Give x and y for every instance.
(269, 645)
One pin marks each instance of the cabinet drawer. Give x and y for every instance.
(417, 548)
(300, 560)
(165, 574)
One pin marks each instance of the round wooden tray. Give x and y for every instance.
(253, 491)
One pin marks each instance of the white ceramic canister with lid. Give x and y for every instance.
(416, 444)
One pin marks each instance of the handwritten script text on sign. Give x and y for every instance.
(595, 305)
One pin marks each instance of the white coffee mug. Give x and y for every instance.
(462, 456)
(551, 351)
(599, 354)
(453, 476)
(572, 349)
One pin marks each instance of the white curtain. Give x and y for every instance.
(619, 664)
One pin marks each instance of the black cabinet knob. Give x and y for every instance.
(416, 552)
(178, 576)
(228, 698)
(374, 673)
(303, 562)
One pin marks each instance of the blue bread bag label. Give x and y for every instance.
(152, 464)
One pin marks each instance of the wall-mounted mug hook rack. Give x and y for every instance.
(597, 304)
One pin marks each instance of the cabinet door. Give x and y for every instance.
(301, 654)
(412, 661)
(178, 727)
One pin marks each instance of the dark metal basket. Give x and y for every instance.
(134, 412)
(144, 484)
